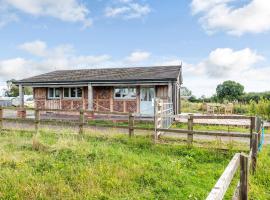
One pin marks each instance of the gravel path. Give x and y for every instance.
(236, 122)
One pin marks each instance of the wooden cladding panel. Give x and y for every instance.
(40, 93)
(162, 91)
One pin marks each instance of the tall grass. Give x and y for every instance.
(260, 182)
(105, 167)
(262, 108)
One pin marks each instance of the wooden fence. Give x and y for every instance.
(130, 118)
(247, 165)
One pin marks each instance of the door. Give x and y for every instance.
(147, 100)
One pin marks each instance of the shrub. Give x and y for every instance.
(262, 108)
(240, 108)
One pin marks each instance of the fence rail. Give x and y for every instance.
(82, 121)
(247, 164)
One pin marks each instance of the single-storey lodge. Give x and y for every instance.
(111, 89)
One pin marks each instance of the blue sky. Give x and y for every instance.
(216, 40)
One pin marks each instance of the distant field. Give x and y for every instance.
(100, 167)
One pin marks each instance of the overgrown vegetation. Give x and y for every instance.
(103, 167)
(260, 182)
(262, 108)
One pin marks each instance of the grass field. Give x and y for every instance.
(103, 167)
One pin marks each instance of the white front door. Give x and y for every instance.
(147, 100)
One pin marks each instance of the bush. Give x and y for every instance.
(262, 108)
(240, 108)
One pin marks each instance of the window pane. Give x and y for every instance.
(79, 92)
(51, 93)
(73, 92)
(57, 92)
(132, 93)
(151, 94)
(66, 92)
(117, 93)
(144, 94)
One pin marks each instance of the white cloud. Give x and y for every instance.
(252, 17)
(225, 61)
(65, 10)
(226, 64)
(46, 59)
(37, 48)
(127, 10)
(138, 56)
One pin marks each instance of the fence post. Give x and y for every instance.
(37, 121)
(243, 177)
(252, 128)
(1, 118)
(157, 118)
(258, 129)
(254, 152)
(81, 123)
(130, 125)
(190, 128)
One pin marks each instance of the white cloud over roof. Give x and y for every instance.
(250, 17)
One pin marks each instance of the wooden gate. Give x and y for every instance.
(164, 115)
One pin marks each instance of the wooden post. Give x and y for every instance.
(1, 118)
(81, 123)
(158, 118)
(37, 121)
(254, 152)
(243, 177)
(21, 94)
(190, 128)
(130, 125)
(90, 97)
(252, 128)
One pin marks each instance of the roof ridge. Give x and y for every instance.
(106, 68)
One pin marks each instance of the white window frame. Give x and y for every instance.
(121, 94)
(54, 97)
(69, 93)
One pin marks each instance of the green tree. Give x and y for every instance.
(229, 90)
(13, 90)
(185, 92)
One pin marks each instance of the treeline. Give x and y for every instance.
(245, 98)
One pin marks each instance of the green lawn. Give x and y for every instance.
(103, 167)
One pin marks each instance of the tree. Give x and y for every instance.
(13, 90)
(185, 92)
(229, 90)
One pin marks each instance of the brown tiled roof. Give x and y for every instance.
(107, 74)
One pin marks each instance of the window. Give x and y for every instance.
(72, 92)
(125, 93)
(53, 93)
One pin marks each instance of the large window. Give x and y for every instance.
(53, 93)
(72, 92)
(125, 93)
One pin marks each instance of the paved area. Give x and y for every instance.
(237, 122)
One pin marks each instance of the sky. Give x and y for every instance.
(215, 40)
